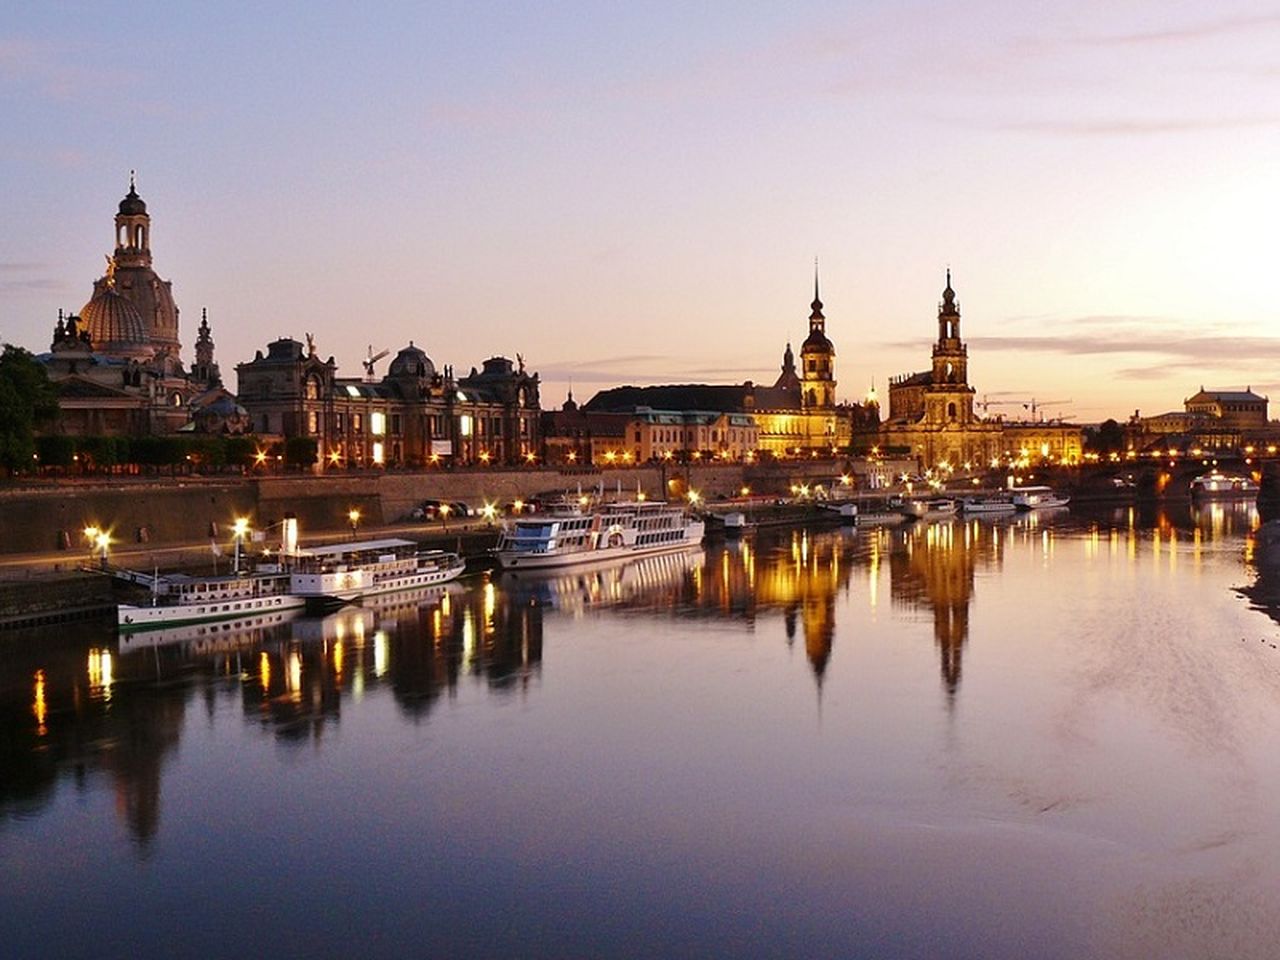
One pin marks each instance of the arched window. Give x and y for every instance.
(312, 389)
(951, 411)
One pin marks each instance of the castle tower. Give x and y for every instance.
(817, 360)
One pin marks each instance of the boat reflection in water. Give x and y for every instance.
(604, 583)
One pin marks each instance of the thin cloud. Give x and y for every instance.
(1216, 348)
(1199, 31)
(1132, 128)
(31, 283)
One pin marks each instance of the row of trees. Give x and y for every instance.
(191, 452)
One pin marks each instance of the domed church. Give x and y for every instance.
(117, 363)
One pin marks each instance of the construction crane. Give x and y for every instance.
(1033, 405)
(370, 360)
(985, 403)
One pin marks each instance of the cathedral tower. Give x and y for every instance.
(950, 398)
(817, 359)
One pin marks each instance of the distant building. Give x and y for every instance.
(1211, 420)
(932, 418)
(117, 364)
(415, 415)
(797, 415)
(1243, 409)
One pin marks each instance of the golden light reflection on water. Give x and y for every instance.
(100, 670)
(39, 707)
(423, 650)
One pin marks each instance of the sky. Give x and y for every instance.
(635, 193)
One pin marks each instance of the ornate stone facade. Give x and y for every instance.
(932, 418)
(797, 415)
(415, 415)
(117, 363)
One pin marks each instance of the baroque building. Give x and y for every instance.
(415, 415)
(796, 415)
(932, 419)
(117, 363)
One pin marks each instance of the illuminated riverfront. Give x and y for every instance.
(818, 742)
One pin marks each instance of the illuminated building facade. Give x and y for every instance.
(932, 417)
(798, 414)
(117, 363)
(415, 415)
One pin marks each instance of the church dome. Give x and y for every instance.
(114, 324)
(412, 362)
(817, 342)
(132, 204)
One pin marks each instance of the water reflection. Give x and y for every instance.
(81, 706)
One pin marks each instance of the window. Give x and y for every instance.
(395, 425)
(313, 422)
(357, 422)
(464, 425)
(312, 389)
(378, 423)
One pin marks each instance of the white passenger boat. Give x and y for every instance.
(612, 530)
(935, 509)
(363, 568)
(985, 506)
(178, 599)
(1220, 486)
(1036, 498)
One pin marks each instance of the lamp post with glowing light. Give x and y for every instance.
(91, 537)
(104, 541)
(444, 516)
(240, 528)
(353, 517)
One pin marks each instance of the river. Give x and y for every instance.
(1042, 736)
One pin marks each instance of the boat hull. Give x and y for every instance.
(551, 561)
(131, 617)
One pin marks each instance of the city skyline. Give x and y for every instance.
(629, 198)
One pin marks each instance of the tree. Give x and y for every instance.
(300, 451)
(1108, 438)
(27, 400)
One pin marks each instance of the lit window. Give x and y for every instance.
(378, 423)
(464, 425)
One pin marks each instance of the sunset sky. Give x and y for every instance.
(635, 193)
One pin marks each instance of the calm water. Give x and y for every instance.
(1041, 737)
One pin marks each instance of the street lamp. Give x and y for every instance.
(241, 527)
(353, 517)
(103, 541)
(444, 516)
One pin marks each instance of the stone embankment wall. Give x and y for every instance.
(167, 510)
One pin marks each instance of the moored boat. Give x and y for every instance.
(937, 508)
(178, 599)
(1221, 486)
(1036, 498)
(362, 568)
(987, 505)
(613, 530)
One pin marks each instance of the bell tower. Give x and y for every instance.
(133, 230)
(950, 398)
(817, 359)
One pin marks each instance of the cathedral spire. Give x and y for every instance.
(817, 300)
